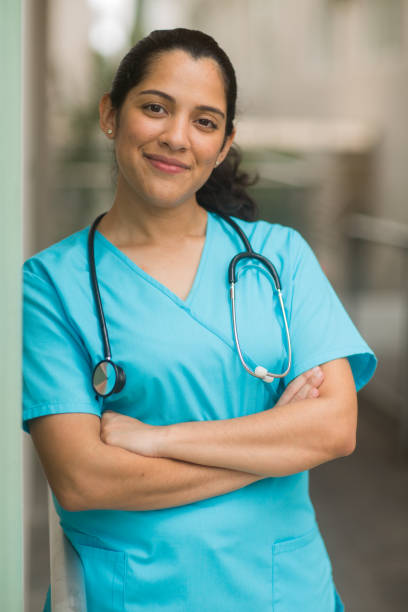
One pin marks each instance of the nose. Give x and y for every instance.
(175, 133)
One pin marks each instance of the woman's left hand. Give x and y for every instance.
(130, 433)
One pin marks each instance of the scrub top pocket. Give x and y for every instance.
(302, 575)
(104, 572)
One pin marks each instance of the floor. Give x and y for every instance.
(361, 505)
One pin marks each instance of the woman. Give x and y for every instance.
(186, 489)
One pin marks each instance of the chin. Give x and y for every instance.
(170, 200)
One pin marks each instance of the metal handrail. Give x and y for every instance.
(66, 573)
(378, 230)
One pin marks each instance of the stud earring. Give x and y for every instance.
(216, 163)
(110, 131)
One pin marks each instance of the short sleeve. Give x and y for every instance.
(321, 330)
(57, 368)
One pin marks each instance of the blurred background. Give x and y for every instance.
(322, 116)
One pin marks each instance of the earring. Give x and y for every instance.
(216, 163)
(110, 131)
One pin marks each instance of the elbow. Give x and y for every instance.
(345, 427)
(349, 446)
(68, 503)
(345, 444)
(81, 486)
(73, 503)
(72, 498)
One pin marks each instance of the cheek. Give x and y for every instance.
(207, 153)
(137, 132)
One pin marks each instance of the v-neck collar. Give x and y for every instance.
(153, 281)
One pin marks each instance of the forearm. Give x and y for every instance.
(116, 479)
(276, 442)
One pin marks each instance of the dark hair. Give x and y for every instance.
(225, 189)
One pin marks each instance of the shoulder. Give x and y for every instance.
(271, 238)
(60, 260)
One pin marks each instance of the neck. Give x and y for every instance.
(132, 223)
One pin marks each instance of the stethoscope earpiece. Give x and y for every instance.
(263, 374)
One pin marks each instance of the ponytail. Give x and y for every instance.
(225, 190)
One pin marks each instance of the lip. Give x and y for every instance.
(168, 164)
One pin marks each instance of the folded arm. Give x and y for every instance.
(288, 438)
(86, 473)
(276, 442)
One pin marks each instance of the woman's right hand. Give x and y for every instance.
(304, 386)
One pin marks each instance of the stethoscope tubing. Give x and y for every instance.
(237, 343)
(95, 288)
(260, 372)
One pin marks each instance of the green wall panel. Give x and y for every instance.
(11, 556)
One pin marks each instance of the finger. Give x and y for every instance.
(316, 378)
(296, 384)
(308, 391)
(309, 373)
(293, 388)
(290, 391)
(314, 375)
(313, 371)
(303, 393)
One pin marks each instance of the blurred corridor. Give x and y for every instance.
(361, 504)
(323, 118)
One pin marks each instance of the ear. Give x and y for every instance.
(227, 145)
(107, 116)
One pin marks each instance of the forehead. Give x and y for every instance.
(177, 73)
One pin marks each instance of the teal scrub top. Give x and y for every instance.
(257, 548)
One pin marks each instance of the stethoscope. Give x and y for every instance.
(108, 377)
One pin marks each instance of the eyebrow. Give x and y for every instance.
(202, 107)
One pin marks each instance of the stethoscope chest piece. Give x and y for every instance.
(108, 378)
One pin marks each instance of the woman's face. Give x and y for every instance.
(171, 130)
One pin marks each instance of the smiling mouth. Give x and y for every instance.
(166, 164)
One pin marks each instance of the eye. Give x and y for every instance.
(154, 108)
(207, 123)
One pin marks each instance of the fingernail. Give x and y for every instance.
(315, 392)
(316, 370)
